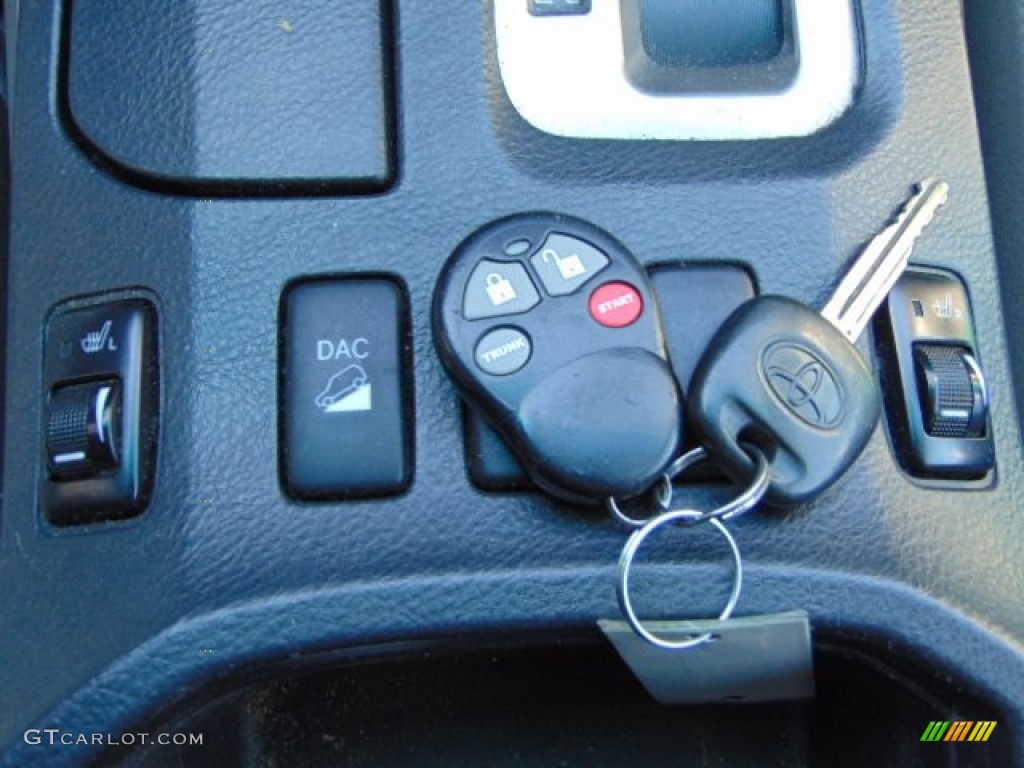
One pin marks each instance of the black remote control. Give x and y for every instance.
(549, 327)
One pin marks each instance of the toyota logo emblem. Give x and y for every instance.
(803, 383)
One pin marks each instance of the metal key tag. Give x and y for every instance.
(750, 659)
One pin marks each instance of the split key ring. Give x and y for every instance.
(663, 494)
(746, 501)
(636, 539)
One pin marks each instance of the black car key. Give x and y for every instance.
(788, 380)
(549, 327)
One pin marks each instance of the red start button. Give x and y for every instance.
(616, 305)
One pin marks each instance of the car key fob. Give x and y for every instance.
(549, 327)
(790, 380)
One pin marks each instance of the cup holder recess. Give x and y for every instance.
(569, 704)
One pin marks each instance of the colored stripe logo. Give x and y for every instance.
(958, 730)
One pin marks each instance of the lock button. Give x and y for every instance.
(498, 289)
(564, 264)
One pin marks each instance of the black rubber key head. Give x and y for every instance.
(780, 376)
(549, 327)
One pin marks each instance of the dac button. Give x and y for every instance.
(616, 305)
(345, 392)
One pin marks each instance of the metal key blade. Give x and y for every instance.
(880, 265)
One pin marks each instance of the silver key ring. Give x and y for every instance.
(663, 494)
(636, 539)
(743, 503)
(664, 490)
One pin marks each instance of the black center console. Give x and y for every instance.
(241, 497)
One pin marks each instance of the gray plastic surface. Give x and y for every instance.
(235, 95)
(106, 625)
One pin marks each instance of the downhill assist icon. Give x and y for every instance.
(346, 391)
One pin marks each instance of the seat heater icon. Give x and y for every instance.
(95, 341)
(347, 390)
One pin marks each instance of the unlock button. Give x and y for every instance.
(565, 263)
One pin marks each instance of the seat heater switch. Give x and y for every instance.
(934, 386)
(83, 428)
(952, 388)
(100, 418)
(345, 396)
